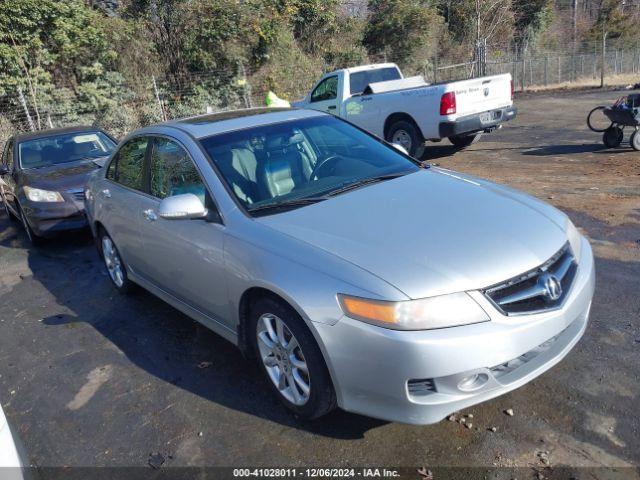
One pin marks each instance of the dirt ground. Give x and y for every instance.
(91, 378)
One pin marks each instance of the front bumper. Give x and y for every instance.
(46, 219)
(371, 366)
(479, 122)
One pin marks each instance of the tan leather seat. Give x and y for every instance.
(239, 166)
(284, 167)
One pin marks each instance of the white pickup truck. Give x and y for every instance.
(409, 111)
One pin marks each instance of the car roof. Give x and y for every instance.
(211, 124)
(52, 132)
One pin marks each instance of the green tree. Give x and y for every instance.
(403, 31)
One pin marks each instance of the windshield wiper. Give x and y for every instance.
(296, 202)
(365, 181)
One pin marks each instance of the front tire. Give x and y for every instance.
(464, 141)
(113, 262)
(290, 358)
(612, 137)
(406, 133)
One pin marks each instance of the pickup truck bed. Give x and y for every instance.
(409, 111)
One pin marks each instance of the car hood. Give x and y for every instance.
(62, 176)
(432, 232)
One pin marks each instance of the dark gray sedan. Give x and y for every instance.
(43, 177)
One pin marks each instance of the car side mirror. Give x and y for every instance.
(399, 147)
(3, 170)
(180, 207)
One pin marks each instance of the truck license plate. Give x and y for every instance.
(485, 117)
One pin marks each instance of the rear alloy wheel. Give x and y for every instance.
(115, 267)
(612, 137)
(291, 359)
(406, 134)
(465, 140)
(635, 140)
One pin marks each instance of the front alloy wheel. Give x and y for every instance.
(283, 359)
(288, 354)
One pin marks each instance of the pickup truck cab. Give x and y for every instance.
(409, 111)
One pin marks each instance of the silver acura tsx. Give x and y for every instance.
(355, 275)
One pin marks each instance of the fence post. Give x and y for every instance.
(524, 72)
(604, 47)
(157, 95)
(546, 70)
(615, 61)
(559, 69)
(26, 110)
(246, 88)
(435, 68)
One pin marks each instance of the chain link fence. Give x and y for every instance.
(534, 70)
(153, 100)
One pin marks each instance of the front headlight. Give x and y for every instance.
(436, 312)
(38, 195)
(575, 239)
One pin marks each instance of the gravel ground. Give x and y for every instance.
(91, 378)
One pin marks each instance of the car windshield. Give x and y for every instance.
(69, 147)
(297, 162)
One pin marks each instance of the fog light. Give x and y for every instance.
(473, 382)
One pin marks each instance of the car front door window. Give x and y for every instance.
(326, 90)
(172, 172)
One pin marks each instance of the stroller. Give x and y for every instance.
(624, 113)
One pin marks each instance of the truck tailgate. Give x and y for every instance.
(481, 94)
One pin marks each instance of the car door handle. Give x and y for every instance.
(106, 193)
(331, 107)
(150, 215)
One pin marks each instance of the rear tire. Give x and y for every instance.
(406, 133)
(116, 267)
(597, 121)
(291, 362)
(612, 137)
(464, 141)
(635, 140)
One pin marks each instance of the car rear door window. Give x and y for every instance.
(172, 172)
(129, 164)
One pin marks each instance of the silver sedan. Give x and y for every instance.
(355, 275)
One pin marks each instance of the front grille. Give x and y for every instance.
(537, 289)
(422, 386)
(77, 193)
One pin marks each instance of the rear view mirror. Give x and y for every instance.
(184, 206)
(399, 147)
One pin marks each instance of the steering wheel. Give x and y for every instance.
(322, 164)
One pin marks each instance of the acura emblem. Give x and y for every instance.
(552, 287)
